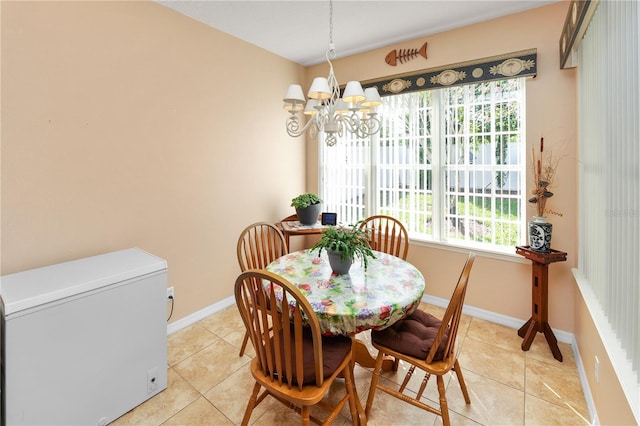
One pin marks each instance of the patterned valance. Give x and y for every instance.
(517, 64)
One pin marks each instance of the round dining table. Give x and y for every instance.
(386, 291)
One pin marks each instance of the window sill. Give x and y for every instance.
(505, 255)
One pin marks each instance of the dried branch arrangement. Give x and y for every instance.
(544, 170)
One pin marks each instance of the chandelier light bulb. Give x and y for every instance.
(353, 93)
(294, 95)
(319, 89)
(372, 97)
(312, 107)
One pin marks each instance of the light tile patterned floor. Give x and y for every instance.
(209, 384)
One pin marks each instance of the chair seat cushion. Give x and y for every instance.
(334, 350)
(412, 336)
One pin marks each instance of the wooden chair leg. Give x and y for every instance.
(350, 386)
(251, 405)
(444, 407)
(374, 383)
(463, 385)
(305, 415)
(244, 343)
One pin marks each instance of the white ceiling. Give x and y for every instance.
(299, 29)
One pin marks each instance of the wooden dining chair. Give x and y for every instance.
(294, 363)
(258, 245)
(387, 234)
(425, 342)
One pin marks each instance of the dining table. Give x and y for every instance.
(371, 298)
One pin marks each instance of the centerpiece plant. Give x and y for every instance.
(344, 244)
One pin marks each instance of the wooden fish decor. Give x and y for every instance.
(404, 55)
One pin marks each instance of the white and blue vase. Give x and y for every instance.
(540, 234)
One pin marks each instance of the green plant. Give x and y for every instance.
(305, 200)
(349, 241)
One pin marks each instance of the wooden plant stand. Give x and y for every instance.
(539, 284)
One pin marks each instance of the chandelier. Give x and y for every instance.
(329, 113)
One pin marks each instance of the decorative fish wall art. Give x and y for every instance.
(404, 55)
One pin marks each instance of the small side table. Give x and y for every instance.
(539, 285)
(294, 227)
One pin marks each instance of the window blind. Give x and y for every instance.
(608, 270)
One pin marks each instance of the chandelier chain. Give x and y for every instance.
(330, 22)
(331, 53)
(330, 115)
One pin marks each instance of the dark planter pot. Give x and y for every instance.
(540, 234)
(309, 215)
(339, 267)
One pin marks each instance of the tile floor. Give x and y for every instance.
(209, 384)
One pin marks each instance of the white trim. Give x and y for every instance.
(198, 315)
(511, 322)
(591, 406)
(509, 254)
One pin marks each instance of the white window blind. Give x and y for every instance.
(608, 270)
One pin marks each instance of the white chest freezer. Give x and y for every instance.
(83, 342)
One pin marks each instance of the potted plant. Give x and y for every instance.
(544, 170)
(343, 244)
(307, 207)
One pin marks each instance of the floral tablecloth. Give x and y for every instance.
(386, 292)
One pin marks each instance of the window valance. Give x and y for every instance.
(516, 64)
(575, 25)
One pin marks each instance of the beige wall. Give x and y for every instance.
(126, 124)
(502, 286)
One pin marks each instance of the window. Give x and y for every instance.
(449, 163)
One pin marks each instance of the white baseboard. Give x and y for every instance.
(507, 321)
(591, 406)
(198, 315)
(511, 322)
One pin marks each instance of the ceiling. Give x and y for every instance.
(299, 29)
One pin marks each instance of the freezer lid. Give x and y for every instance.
(35, 287)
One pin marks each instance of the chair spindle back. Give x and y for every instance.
(451, 319)
(276, 315)
(387, 234)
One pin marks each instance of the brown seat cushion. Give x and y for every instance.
(412, 336)
(334, 349)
